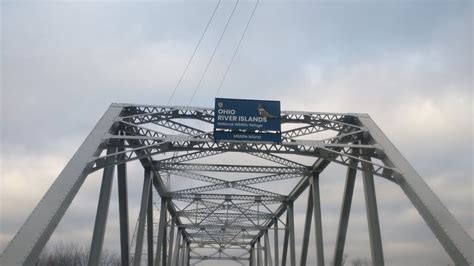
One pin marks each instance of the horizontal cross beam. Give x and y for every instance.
(213, 226)
(228, 168)
(228, 197)
(218, 258)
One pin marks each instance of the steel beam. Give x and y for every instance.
(231, 258)
(123, 213)
(259, 253)
(142, 217)
(188, 253)
(241, 184)
(228, 168)
(277, 159)
(251, 256)
(372, 216)
(318, 225)
(275, 239)
(318, 166)
(265, 250)
(352, 133)
(445, 227)
(176, 248)
(291, 221)
(182, 252)
(102, 213)
(164, 260)
(284, 254)
(344, 216)
(307, 227)
(213, 241)
(28, 242)
(223, 227)
(149, 227)
(170, 245)
(186, 157)
(268, 252)
(243, 197)
(161, 233)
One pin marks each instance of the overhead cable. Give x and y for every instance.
(213, 53)
(194, 52)
(237, 48)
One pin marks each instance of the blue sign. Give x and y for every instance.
(251, 120)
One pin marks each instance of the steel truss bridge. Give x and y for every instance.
(230, 206)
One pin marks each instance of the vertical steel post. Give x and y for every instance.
(265, 250)
(164, 260)
(123, 212)
(102, 211)
(344, 216)
(182, 252)
(161, 232)
(291, 215)
(372, 214)
(170, 246)
(251, 257)
(318, 226)
(275, 239)
(149, 227)
(176, 247)
(284, 254)
(33, 235)
(188, 253)
(185, 253)
(307, 227)
(259, 253)
(268, 251)
(142, 217)
(442, 223)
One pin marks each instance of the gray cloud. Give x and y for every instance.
(407, 63)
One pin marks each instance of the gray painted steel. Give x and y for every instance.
(149, 229)
(252, 256)
(268, 252)
(317, 219)
(275, 239)
(372, 216)
(170, 244)
(176, 248)
(286, 236)
(259, 253)
(237, 220)
(344, 216)
(30, 239)
(307, 228)
(123, 213)
(182, 252)
(188, 254)
(102, 213)
(446, 228)
(291, 222)
(161, 234)
(142, 217)
(164, 260)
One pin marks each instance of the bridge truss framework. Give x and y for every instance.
(226, 213)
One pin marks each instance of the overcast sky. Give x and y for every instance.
(409, 64)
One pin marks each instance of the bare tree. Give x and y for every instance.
(73, 255)
(343, 262)
(361, 262)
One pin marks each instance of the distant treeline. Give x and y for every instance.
(76, 255)
(73, 255)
